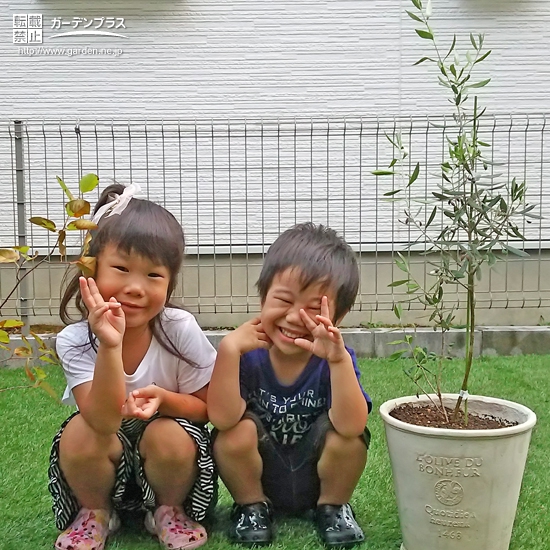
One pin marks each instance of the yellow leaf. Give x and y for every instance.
(40, 373)
(22, 249)
(78, 208)
(4, 337)
(41, 343)
(11, 323)
(86, 264)
(29, 373)
(48, 359)
(22, 351)
(27, 343)
(48, 389)
(81, 224)
(87, 242)
(65, 188)
(61, 243)
(8, 255)
(43, 222)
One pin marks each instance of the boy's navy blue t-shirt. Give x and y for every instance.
(287, 412)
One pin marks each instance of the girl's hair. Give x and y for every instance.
(143, 228)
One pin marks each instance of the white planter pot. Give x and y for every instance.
(458, 489)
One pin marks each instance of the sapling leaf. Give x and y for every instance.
(87, 265)
(43, 222)
(382, 172)
(11, 323)
(4, 337)
(22, 351)
(48, 389)
(77, 208)
(88, 183)
(70, 196)
(61, 242)
(81, 224)
(397, 355)
(48, 359)
(8, 255)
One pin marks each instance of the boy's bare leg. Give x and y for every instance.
(169, 454)
(239, 462)
(88, 460)
(341, 464)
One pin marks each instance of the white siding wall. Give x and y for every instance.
(237, 58)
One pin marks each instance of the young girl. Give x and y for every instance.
(138, 370)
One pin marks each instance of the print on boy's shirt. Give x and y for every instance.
(287, 419)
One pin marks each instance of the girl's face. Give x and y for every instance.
(135, 281)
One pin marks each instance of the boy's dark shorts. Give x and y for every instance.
(290, 478)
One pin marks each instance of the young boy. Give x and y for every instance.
(285, 398)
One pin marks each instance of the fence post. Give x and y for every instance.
(21, 223)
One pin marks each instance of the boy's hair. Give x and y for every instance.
(320, 256)
(143, 228)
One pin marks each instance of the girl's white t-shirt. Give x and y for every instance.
(158, 366)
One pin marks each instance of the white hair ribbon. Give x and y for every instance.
(117, 205)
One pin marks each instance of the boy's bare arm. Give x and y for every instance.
(348, 412)
(225, 404)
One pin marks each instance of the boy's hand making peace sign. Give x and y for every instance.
(327, 339)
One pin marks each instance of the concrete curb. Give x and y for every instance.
(490, 341)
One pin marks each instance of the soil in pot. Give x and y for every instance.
(429, 415)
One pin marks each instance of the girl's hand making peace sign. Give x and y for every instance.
(106, 319)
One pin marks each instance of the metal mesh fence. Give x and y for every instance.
(236, 185)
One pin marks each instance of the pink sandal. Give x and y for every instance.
(89, 531)
(174, 529)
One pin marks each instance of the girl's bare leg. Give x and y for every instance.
(88, 461)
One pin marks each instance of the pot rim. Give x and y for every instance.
(526, 425)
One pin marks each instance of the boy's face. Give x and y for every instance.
(280, 315)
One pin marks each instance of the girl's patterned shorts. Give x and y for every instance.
(132, 492)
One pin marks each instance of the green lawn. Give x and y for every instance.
(30, 419)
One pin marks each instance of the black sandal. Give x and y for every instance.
(252, 524)
(337, 526)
